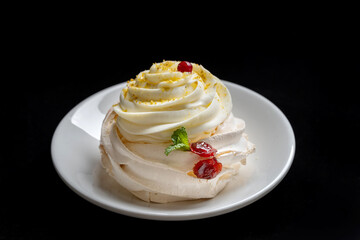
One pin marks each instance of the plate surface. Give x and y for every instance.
(76, 158)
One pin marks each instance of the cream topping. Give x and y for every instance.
(160, 100)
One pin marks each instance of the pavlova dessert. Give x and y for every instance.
(172, 135)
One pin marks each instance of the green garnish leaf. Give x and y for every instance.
(180, 141)
(169, 149)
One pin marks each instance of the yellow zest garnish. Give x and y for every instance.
(191, 174)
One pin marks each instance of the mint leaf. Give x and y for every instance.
(169, 149)
(180, 136)
(180, 141)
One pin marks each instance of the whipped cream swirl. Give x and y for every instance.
(162, 99)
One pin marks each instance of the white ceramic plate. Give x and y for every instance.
(76, 158)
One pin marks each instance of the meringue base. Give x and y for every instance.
(145, 171)
(157, 197)
(143, 195)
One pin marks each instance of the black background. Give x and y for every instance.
(308, 70)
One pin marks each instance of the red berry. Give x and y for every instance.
(185, 66)
(207, 168)
(203, 149)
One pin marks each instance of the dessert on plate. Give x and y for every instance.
(172, 135)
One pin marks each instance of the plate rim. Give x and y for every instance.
(182, 216)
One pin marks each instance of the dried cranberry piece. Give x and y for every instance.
(207, 168)
(203, 149)
(185, 66)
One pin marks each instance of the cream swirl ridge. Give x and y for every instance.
(162, 99)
